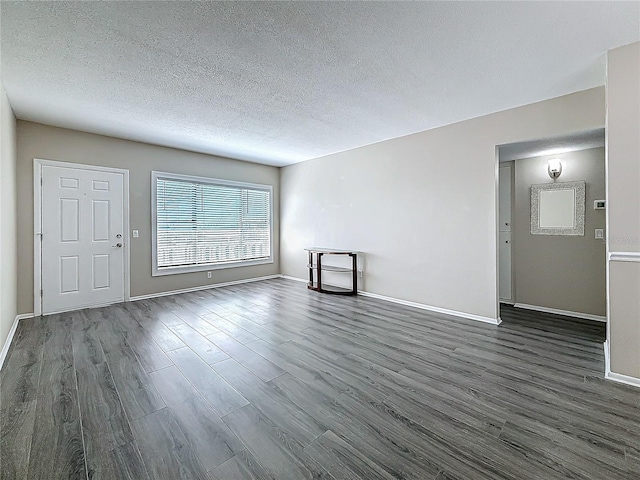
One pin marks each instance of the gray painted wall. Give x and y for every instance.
(422, 207)
(561, 272)
(8, 219)
(623, 180)
(52, 143)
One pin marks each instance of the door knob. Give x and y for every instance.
(118, 245)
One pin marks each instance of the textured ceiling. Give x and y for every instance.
(283, 82)
(552, 146)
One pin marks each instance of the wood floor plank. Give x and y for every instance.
(196, 322)
(439, 397)
(240, 467)
(104, 423)
(314, 376)
(137, 394)
(109, 445)
(168, 317)
(297, 424)
(271, 447)
(259, 365)
(335, 368)
(222, 397)
(205, 349)
(57, 447)
(343, 460)
(263, 333)
(165, 451)
(19, 380)
(21, 370)
(149, 354)
(206, 432)
(230, 328)
(123, 462)
(397, 458)
(153, 326)
(16, 432)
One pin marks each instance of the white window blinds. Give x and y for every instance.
(204, 222)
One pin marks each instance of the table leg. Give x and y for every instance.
(354, 259)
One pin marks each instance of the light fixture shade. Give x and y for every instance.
(554, 167)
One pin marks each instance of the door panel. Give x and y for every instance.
(504, 197)
(69, 220)
(82, 216)
(69, 273)
(504, 237)
(505, 266)
(100, 221)
(101, 271)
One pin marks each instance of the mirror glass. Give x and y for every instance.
(558, 208)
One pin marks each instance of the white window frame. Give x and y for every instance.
(156, 271)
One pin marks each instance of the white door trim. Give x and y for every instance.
(496, 212)
(38, 163)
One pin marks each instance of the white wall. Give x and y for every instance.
(623, 209)
(8, 239)
(421, 207)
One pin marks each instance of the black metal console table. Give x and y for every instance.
(316, 264)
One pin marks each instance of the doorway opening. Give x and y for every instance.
(552, 229)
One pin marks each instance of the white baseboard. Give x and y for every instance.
(12, 332)
(421, 306)
(431, 308)
(624, 256)
(203, 287)
(566, 313)
(627, 380)
(82, 307)
(616, 377)
(296, 279)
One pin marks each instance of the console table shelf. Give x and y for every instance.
(331, 268)
(316, 265)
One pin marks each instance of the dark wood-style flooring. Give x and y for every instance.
(270, 381)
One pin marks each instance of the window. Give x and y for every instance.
(204, 223)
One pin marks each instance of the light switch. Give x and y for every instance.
(135, 234)
(599, 233)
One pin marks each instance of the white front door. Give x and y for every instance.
(82, 238)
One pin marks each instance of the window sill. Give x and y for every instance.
(160, 272)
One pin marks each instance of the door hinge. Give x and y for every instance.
(40, 181)
(41, 293)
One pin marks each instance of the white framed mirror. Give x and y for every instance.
(557, 208)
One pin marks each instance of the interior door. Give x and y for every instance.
(504, 235)
(82, 238)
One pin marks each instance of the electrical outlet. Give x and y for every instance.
(599, 233)
(136, 234)
(208, 274)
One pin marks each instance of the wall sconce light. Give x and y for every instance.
(554, 168)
